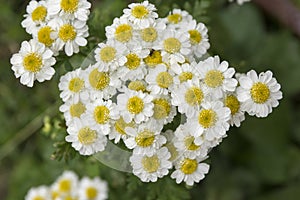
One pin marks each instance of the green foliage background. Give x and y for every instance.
(260, 160)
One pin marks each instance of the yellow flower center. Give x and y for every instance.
(101, 114)
(139, 12)
(164, 79)
(214, 78)
(135, 105)
(145, 138)
(44, 36)
(91, 193)
(175, 18)
(64, 185)
(67, 32)
(189, 166)
(194, 96)
(76, 110)
(232, 103)
(123, 33)
(120, 126)
(133, 61)
(76, 84)
(195, 37)
(153, 59)
(99, 80)
(189, 143)
(172, 45)
(87, 136)
(149, 34)
(150, 164)
(137, 86)
(69, 6)
(39, 14)
(32, 62)
(207, 118)
(173, 151)
(260, 93)
(69, 197)
(162, 108)
(107, 54)
(38, 198)
(185, 76)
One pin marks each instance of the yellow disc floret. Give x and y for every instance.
(76, 110)
(69, 6)
(123, 33)
(145, 138)
(137, 86)
(38, 198)
(189, 166)
(162, 108)
(99, 80)
(195, 37)
(153, 59)
(135, 105)
(150, 164)
(32, 62)
(39, 14)
(189, 143)
(139, 12)
(194, 96)
(67, 32)
(101, 114)
(107, 54)
(133, 61)
(175, 18)
(91, 193)
(120, 125)
(44, 36)
(172, 45)
(260, 93)
(214, 78)
(87, 136)
(149, 34)
(64, 185)
(185, 76)
(207, 118)
(76, 84)
(164, 79)
(232, 103)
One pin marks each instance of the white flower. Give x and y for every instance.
(70, 35)
(118, 130)
(185, 72)
(33, 62)
(258, 94)
(212, 119)
(135, 105)
(145, 139)
(37, 14)
(85, 138)
(217, 76)
(164, 111)
(178, 18)
(95, 189)
(150, 168)
(41, 192)
(66, 184)
(72, 86)
(72, 109)
(159, 80)
(189, 170)
(142, 15)
(99, 115)
(70, 9)
(111, 55)
(237, 115)
(151, 35)
(240, 2)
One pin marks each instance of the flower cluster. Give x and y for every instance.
(151, 72)
(68, 186)
(55, 25)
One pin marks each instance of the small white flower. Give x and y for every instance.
(95, 189)
(258, 94)
(85, 138)
(150, 168)
(190, 170)
(178, 18)
(33, 62)
(240, 2)
(217, 76)
(185, 72)
(66, 184)
(135, 106)
(72, 86)
(151, 35)
(72, 109)
(164, 111)
(41, 192)
(118, 130)
(142, 15)
(237, 115)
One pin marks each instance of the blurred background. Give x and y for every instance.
(260, 160)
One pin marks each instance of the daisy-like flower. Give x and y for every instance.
(65, 185)
(190, 170)
(198, 37)
(258, 94)
(72, 109)
(111, 55)
(118, 130)
(33, 62)
(85, 138)
(37, 14)
(92, 189)
(164, 111)
(145, 139)
(142, 15)
(211, 120)
(237, 115)
(178, 18)
(36, 193)
(72, 86)
(186, 145)
(188, 96)
(70, 35)
(184, 72)
(150, 36)
(216, 76)
(47, 35)
(159, 80)
(135, 105)
(70, 9)
(99, 115)
(100, 84)
(150, 168)
(174, 46)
